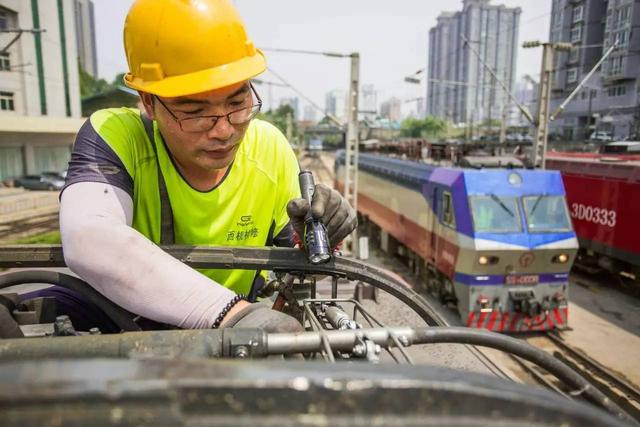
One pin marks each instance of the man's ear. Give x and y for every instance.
(147, 100)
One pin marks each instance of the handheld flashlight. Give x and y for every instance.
(316, 241)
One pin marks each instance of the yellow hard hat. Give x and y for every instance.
(181, 47)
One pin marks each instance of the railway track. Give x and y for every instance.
(40, 223)
(319, 165)
(617, 388)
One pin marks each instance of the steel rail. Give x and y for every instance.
(626, 387)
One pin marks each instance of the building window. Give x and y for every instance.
(5, 63)
(578, 13)
(617, 90)
(621, 38)
(572, 75)
(557, 16)
(623, 15)
(574, 55)
(4, 20)
(6, 101)
(617, 65)
(576, 34)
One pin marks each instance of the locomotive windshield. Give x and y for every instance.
(495, 214)
(546, 213)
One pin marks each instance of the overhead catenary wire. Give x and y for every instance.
(306, 98)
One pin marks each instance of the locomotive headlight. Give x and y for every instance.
(488, 260)
(515, 179)
(560, 259)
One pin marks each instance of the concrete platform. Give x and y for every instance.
(604, 341)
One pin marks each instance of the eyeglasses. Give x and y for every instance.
(206, 123)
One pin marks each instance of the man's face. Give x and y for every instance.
(202, 150)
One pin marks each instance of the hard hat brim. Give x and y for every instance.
(201, 81)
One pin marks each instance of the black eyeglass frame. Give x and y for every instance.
(215, 118)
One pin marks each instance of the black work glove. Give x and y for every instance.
(261, 316)
(328, 206)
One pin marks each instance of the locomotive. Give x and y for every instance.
(602, 192)
(498, 243)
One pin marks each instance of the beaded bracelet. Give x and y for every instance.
(226, 309)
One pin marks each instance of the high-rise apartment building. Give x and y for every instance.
(86, 36)
(391, 109)
(610, 100)
(309, 113)
(336, 103)
(368, 102)
(459, 87)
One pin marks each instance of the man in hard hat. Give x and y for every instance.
(195, 167)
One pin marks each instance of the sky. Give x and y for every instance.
(391, 37)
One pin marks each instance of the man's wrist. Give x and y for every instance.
(232, 307)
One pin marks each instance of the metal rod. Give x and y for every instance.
(334, 287)
(562, 106)
(400, 348)
(328, 352)
(544, 97)
(306, 52)
(248, 258)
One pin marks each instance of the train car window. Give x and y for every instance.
(448, 215)
(494, 214)
(546, 214)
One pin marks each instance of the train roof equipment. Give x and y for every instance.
(172, 377)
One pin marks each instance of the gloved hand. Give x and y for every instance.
(260, 315)
(328, 206)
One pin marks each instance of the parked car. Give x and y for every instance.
(601, 136)
(527, 138)
(516, 137)
(44, 181)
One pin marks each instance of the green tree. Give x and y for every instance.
(434, 126)
(118, 80)
(419, 128)
(412, 128)
(90, 86)
(280, 117)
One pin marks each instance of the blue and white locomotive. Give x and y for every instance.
(498, 243)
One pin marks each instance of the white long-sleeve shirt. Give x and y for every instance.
(102, 248)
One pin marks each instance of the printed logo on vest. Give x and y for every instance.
(246, 231)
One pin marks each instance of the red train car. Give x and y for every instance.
(603, 193)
